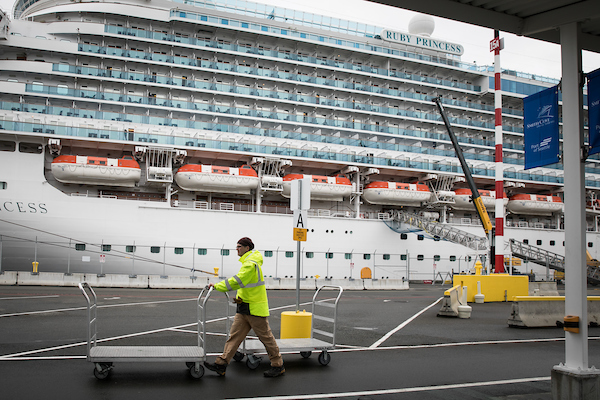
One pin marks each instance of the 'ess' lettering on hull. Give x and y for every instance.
(23, 207)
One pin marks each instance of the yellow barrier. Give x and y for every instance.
(295, 325)
(544, 311)
(35, 266)
(495, 287)
(454, 303)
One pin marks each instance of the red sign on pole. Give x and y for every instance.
(496, 43)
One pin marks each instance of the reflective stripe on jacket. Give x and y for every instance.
(249, 283)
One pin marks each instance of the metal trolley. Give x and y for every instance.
(104, 356)
(305, 346)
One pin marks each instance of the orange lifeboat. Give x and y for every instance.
(88, 170)
(392, 193)
(329, 188)
(463, 200)
(532, 204)
(211, 178)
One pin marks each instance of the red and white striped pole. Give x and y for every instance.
(496, 45)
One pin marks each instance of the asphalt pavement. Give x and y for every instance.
(389, 345)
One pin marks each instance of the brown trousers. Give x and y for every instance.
(240, 328)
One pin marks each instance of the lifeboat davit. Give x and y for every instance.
(211, 178)
(463, 200)
(393, 193)
(532, 204)
(330, 188)
(88, 170)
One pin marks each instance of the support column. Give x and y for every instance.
(499, 206)
(574, 379)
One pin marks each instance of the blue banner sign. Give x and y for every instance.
(593, 91)
(541, 128)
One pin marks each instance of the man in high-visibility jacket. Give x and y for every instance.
(252, 310)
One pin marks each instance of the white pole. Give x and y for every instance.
(576, 345)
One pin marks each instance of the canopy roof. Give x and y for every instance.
(538, 19)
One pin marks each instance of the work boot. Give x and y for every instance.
(218, 368)
(274, 371)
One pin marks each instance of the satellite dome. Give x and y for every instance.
(422, 25)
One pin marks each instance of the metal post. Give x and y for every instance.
(133, 261)
(576, 345)
(69, 258)
(164, 275)
(298, 255)
(1, 272)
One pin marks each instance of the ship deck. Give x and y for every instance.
(391, 345)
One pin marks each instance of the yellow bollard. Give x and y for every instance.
(478, 267)
(216, 271)
(295, 325)
(35, 266)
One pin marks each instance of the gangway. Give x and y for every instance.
(551, 260)
(436, 229)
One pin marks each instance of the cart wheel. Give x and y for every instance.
(101, 371)
(305, 354)
(324, 358)
(238, 356)
(252, 361)
(196, 373)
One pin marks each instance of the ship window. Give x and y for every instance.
(130, 249)
(310, 254)
(348, 256)
(102, 162)
(453, 258)
(328, 255)
(2, 185)
(403, 257)
(224, 252)
(436, 258)
(420, 237)
(91, 161)
(7, 146)
(590, 244)
(202, 252)
(178, 250)
(32, 148)
(386, 256)
(526, 241)
(539, 242)
(403, 236)
(289, 254)
(268, 253)
(420, 257)
(106, 247)
(552, 243)
(79, 246)
(155, 249)
(366, 256)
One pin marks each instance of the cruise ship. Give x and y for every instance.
(148, 136)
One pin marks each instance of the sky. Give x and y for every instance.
(519, 54)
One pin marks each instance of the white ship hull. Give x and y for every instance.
(193, 85)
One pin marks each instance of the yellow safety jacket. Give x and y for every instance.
(249, 283)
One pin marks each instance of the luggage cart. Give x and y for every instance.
(305, 346)
(104, 356)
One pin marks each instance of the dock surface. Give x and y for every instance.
(391, 345)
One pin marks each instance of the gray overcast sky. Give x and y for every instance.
(520, 54)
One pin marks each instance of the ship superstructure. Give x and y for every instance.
(150, 131)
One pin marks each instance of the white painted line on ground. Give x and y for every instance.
(28, 297)
(85, 308)
(402, 325)
(402, 390)
(9, 356)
